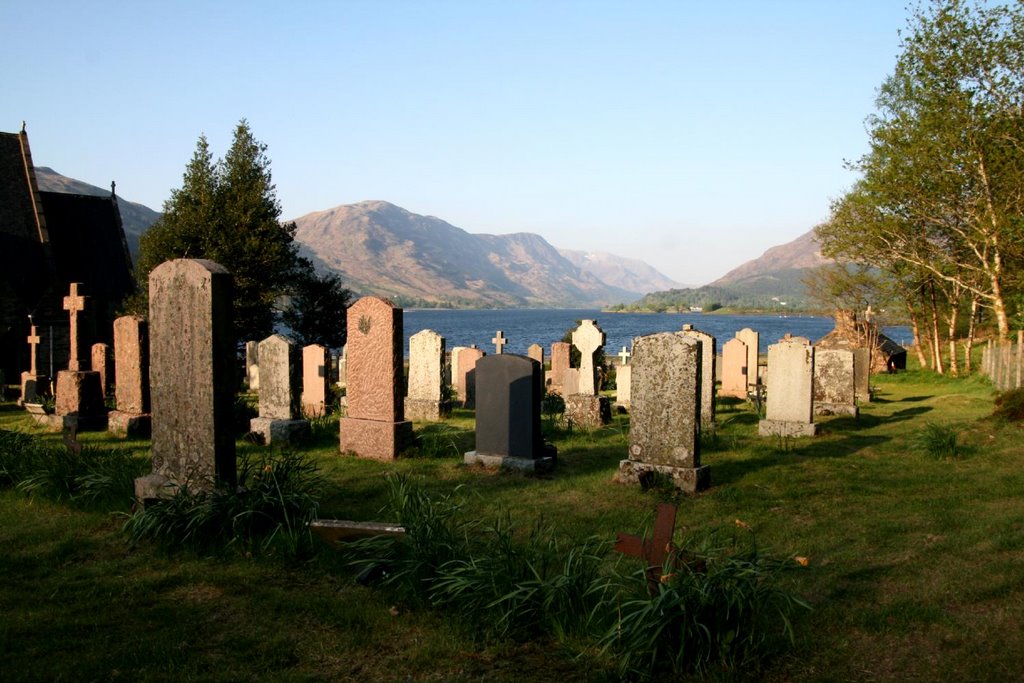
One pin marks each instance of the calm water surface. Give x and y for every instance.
(523, 327)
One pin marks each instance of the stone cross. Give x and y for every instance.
(653, 551)
(74, 304)
(33, 341)
(588, 338)
(624, 355)
(499, 342)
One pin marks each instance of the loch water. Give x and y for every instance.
(523, 327)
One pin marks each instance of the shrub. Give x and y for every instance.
(938, 441)
(1010, 405)
(716, 606)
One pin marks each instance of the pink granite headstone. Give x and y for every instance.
(131, 365)
(466, 381)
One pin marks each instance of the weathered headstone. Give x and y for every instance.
(835, 391)
(708, 351)
(453, 370)
(375, 426)
(584, 408)
(316, 379)
(536, 352)
(499, 342)
(191, 372)
(734, 369)
(426, 398)
(465, 383)
(252, 365)
(33, 385)
(100, 359)
(343, 368)
(131, 365)
(862, 374)
(280, 389)
(561, 380)
(664, 433)
(753, 340)
(790, 389)
(623, 379)
(508, 431)
(79, 393)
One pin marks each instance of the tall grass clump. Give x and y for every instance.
(91, 477)
(938, 441)
(717, 606)
(275, 499)
(1010, 405)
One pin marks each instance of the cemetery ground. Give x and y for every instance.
(914, 557)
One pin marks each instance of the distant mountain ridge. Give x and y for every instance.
(381, 248)
(625, 273)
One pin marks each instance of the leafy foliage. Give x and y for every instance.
(1010, 405)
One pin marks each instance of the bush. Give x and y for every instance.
(938, 441)
(718, 606)
(276, 498)
(1010, 405)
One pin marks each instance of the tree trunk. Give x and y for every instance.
(969, 342)
(952, 319)
(917, 334)
(936, 342)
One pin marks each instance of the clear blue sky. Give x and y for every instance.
(690, 135)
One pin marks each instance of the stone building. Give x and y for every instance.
(47, 241)
(851, 333)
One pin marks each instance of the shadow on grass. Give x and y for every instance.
(908, 413)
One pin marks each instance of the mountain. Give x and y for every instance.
(770, 281)
(801, 254)
(383, 249)
(632, 275)
(136, 218)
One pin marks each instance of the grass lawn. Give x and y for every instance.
(916, 563)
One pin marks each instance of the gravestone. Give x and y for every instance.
(734, 369)
(562, 380)
(343, 368)
(664, 433)
(131, 365)
(862, 374)
(508, 431)
(252, 365)
(623, 379)
(100, 359)
(426, 398)
(499, 342)
(375, 426)
(191, 377)
(280, 386)
(835, 391)
(708, 351)
(453, 370)
(753, 340)
(465, 383)
(80, 398)
(790, 389)
(536, 352)
(316, 380)
(584, 408)
(33, 385)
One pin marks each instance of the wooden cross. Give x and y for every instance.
(33, 341)
(624, 355)
(653, 551)
(499, 342)
(74, 304)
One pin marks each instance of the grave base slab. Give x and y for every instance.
(374, 439)
(686, 479)
(836, 409)
(786, 428)
(132, 425)
(538, 465)
(587, 412)
(271, 431)
(426, 410)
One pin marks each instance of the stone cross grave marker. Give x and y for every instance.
(499, 342)
(33, 344)
(74, 304)
(624, 355)
(192, 375)
(653, 551)
(588, 339)
(624, 379)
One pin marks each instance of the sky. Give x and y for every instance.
(690, 135)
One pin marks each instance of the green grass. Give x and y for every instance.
(916, 562)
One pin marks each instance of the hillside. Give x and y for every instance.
(136, 218)
(383, 249)
(633, 275)
(769, 282)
